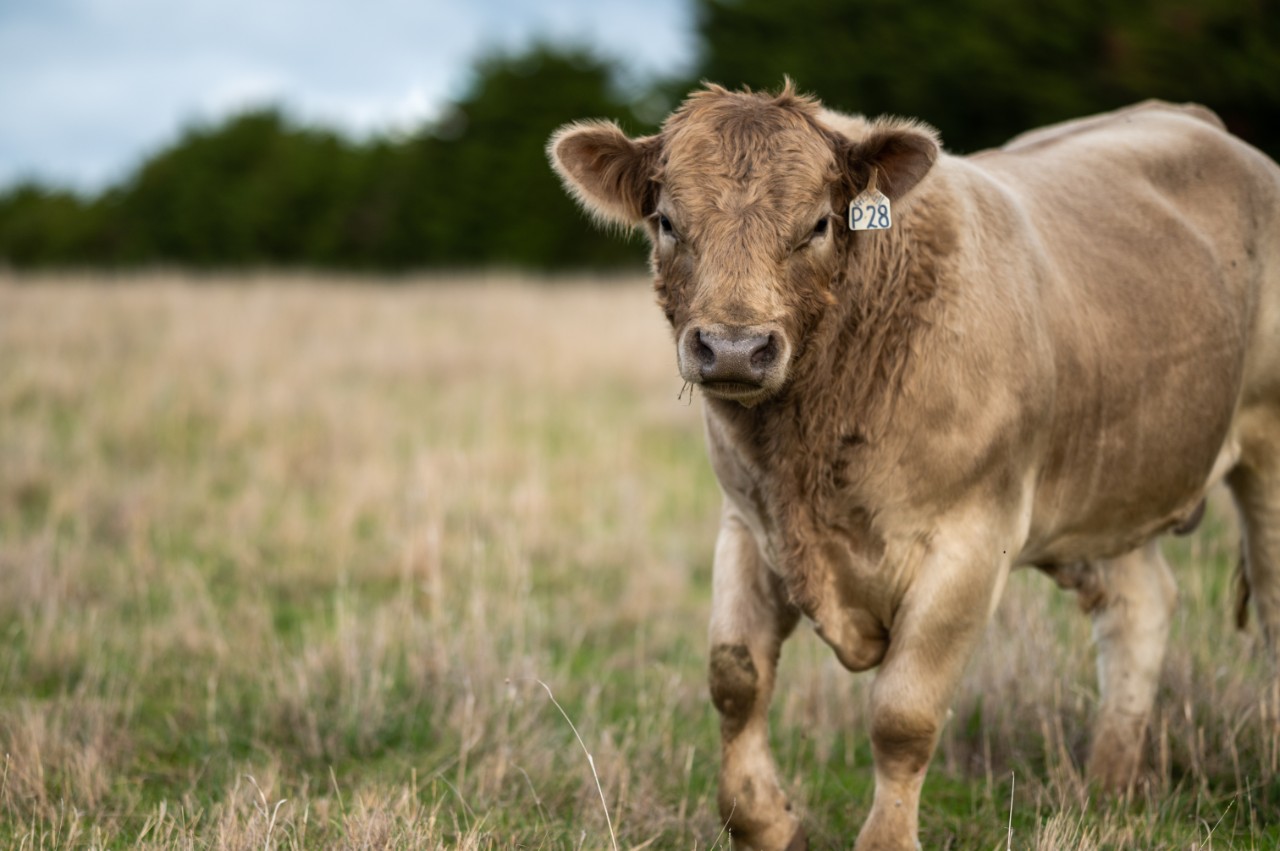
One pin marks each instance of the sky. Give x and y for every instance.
(89, 88)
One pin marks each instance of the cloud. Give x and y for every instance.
(90, 87)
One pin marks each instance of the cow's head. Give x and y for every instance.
(743, 197)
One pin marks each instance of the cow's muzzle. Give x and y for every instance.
(741, 363)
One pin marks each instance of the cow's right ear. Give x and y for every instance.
(611, 175)
(899, 151)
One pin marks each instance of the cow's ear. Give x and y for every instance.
(611, 175)
(900, 152)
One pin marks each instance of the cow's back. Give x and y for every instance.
(1042, 136)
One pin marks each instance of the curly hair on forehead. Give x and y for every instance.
(746, 113)
(740, 129)
(785, 98)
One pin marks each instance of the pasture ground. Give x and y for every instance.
(285, 561)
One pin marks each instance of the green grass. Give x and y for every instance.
(318, 542)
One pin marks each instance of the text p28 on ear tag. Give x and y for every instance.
(870, 211)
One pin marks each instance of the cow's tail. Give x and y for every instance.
(1242, 590)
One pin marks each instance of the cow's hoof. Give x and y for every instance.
(799, 842)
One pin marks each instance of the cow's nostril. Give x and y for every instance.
(706, 354)
(766, 354)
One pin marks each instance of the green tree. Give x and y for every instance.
(984, 70)
(472, 189)
(253, 190)
(487, 192)
(41, 227)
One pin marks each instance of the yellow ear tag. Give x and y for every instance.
(870, 209)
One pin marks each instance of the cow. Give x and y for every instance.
(1041, 355)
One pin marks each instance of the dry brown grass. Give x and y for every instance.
(281, 561)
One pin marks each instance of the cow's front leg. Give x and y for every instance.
(934, 631)
(1131, 600)
(750, 617)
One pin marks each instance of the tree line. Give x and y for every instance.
(472, 188)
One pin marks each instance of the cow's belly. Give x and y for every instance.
(1111, 527)
(1116, 476)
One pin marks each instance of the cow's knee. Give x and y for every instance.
(735, 683)
(903, 739)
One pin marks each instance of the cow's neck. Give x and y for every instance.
(814, 446)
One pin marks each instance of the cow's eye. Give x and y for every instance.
(664, 225)
(819, 231)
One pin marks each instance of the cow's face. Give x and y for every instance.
(742, 197)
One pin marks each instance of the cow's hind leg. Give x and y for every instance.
(1131, 600)
(1255, 483)
(750, 618)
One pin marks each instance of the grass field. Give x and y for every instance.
(286, 563)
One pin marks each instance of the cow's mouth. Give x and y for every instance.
(743, 392)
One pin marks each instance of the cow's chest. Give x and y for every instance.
(810, 523)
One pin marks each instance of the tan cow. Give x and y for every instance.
(1046, 359)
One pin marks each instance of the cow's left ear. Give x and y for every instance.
(610, 174)
(900, 151)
